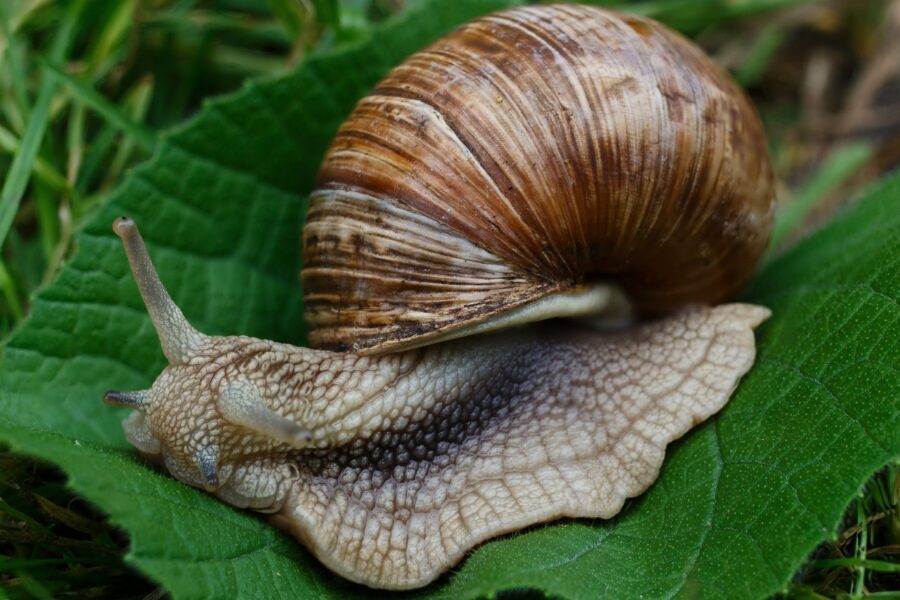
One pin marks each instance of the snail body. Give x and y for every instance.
(539, 162)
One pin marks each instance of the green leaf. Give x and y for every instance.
(739, 504)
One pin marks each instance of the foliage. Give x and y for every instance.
(740, 503)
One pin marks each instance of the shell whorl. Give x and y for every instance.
(528, 152)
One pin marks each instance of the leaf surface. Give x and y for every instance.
(739, 504)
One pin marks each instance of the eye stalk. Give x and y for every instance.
(178, 337)
(136, 400)
(240, 403)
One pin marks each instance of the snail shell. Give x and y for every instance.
(525, 154)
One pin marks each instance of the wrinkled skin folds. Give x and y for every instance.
(405, 461)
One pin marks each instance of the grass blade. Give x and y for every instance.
(328, 12)
(840, 165)
(10, 294)
(42, 170)
(857, 563)
(19, 173)
(760, 55)
(106, 109)
(14, 55)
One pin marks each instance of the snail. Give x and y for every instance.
(539, 162)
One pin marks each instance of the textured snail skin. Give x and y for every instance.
(525, 153)
(414, 457)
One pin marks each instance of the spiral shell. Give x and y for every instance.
(526, 153)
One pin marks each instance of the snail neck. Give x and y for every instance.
(355, 392)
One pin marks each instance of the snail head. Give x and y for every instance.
(209, 396)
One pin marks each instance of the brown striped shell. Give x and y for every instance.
(526, 153)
